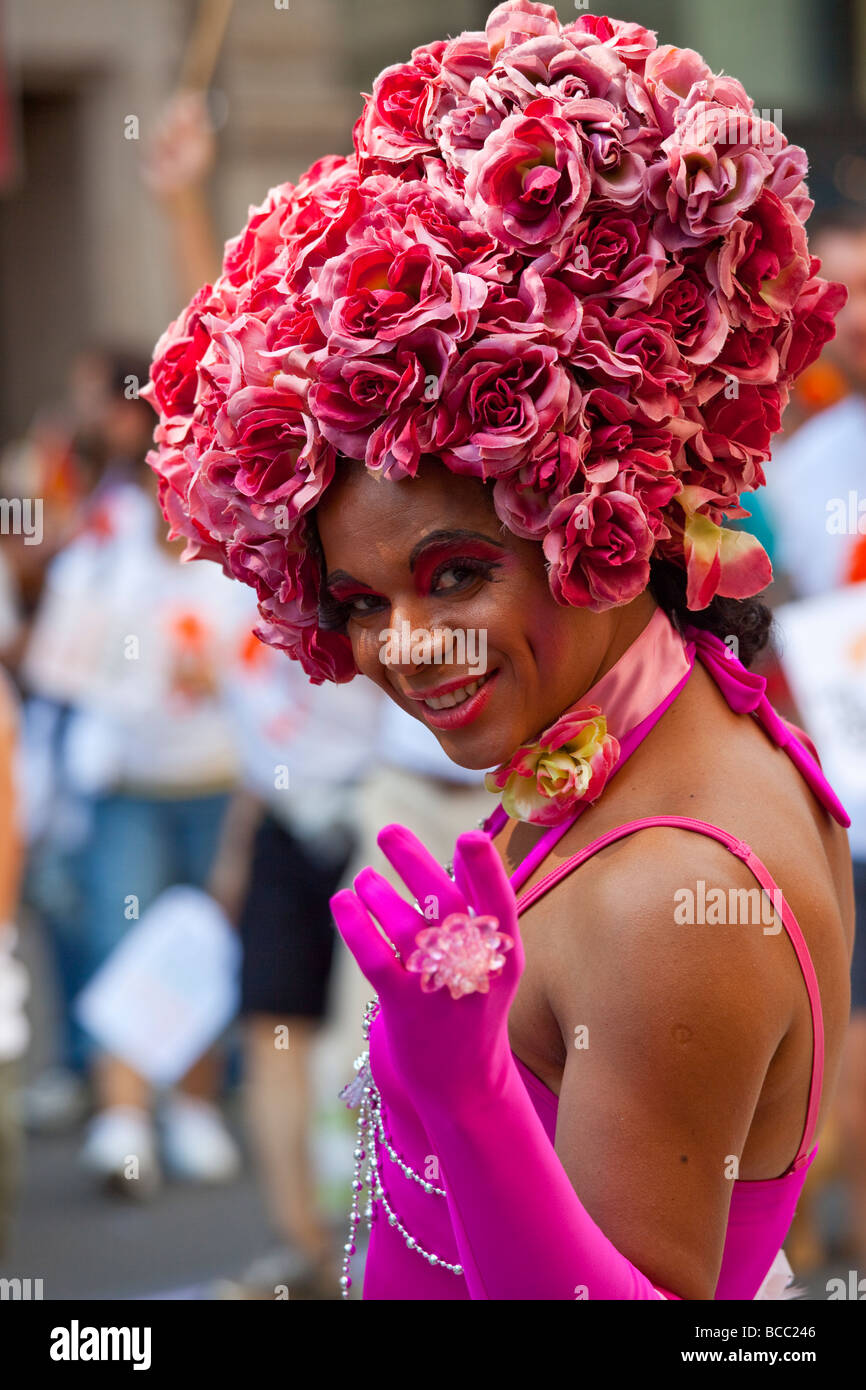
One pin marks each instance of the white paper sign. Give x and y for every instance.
(823, 648)
(169, 989)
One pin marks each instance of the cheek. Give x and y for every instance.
(367, 645)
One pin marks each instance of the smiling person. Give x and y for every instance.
(505, 371)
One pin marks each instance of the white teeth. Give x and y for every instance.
(455, 697)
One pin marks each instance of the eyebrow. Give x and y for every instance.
(443, 537)
(434, 538)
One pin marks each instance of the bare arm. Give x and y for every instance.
(682, 1021)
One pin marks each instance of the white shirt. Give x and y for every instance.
(407, 743)
(810, 478)
(818, 467)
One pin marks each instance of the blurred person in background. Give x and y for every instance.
(108, 430)
(14, 1031)
(150, 748)
(84, 457)
(823, 461)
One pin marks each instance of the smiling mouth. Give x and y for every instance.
(458, 696)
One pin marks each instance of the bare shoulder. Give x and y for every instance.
(677, 926)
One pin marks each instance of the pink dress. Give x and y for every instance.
(760, 1212)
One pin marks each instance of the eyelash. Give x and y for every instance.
(334, 613)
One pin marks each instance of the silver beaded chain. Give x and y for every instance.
(362, 1091)
(371, 1138)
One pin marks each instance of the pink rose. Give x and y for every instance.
(543, 309)
(385, 288)
(762, 266)
(174, 371)
(525, 497)
(500, 396)
(570, 762)
(598, 548)
(711, 174)
(670, 74)
(290, 622)
(630, 42)
(693, 316)
(635, 350)
(270, 434)
(432, 213)
(515, 22)
(364, 404)
(749, 357)
(397, 122)
(799, 342)
(617, 256)
(749, 419)
(529, 182)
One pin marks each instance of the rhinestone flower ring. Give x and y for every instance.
(463, 953)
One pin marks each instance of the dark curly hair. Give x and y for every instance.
(749, 620)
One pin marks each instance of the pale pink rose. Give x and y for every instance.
(463, 58)
(515, 22)
(711, 174)
(543, 782)
(670, 74)
(632, 43)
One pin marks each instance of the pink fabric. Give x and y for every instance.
(521, 1241)
(638, 688)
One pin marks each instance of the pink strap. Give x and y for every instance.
(789, 921)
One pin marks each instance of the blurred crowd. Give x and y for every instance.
(154, 743)
(149, 742)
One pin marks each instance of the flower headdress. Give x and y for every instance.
(563, 259)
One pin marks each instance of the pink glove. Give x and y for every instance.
(530, 1239)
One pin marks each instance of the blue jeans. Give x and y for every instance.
(139, 846)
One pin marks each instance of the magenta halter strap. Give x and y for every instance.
(789, 921)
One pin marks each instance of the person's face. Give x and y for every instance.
(430, 553)
(127, 428)
(843, 257)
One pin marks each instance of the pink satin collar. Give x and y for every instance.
(633, 695)
(656, 661)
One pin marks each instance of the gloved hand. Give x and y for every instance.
(447, 1050)
(520, 1227)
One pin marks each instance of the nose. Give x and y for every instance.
(408, 644)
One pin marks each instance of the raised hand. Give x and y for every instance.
(444, 1048)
